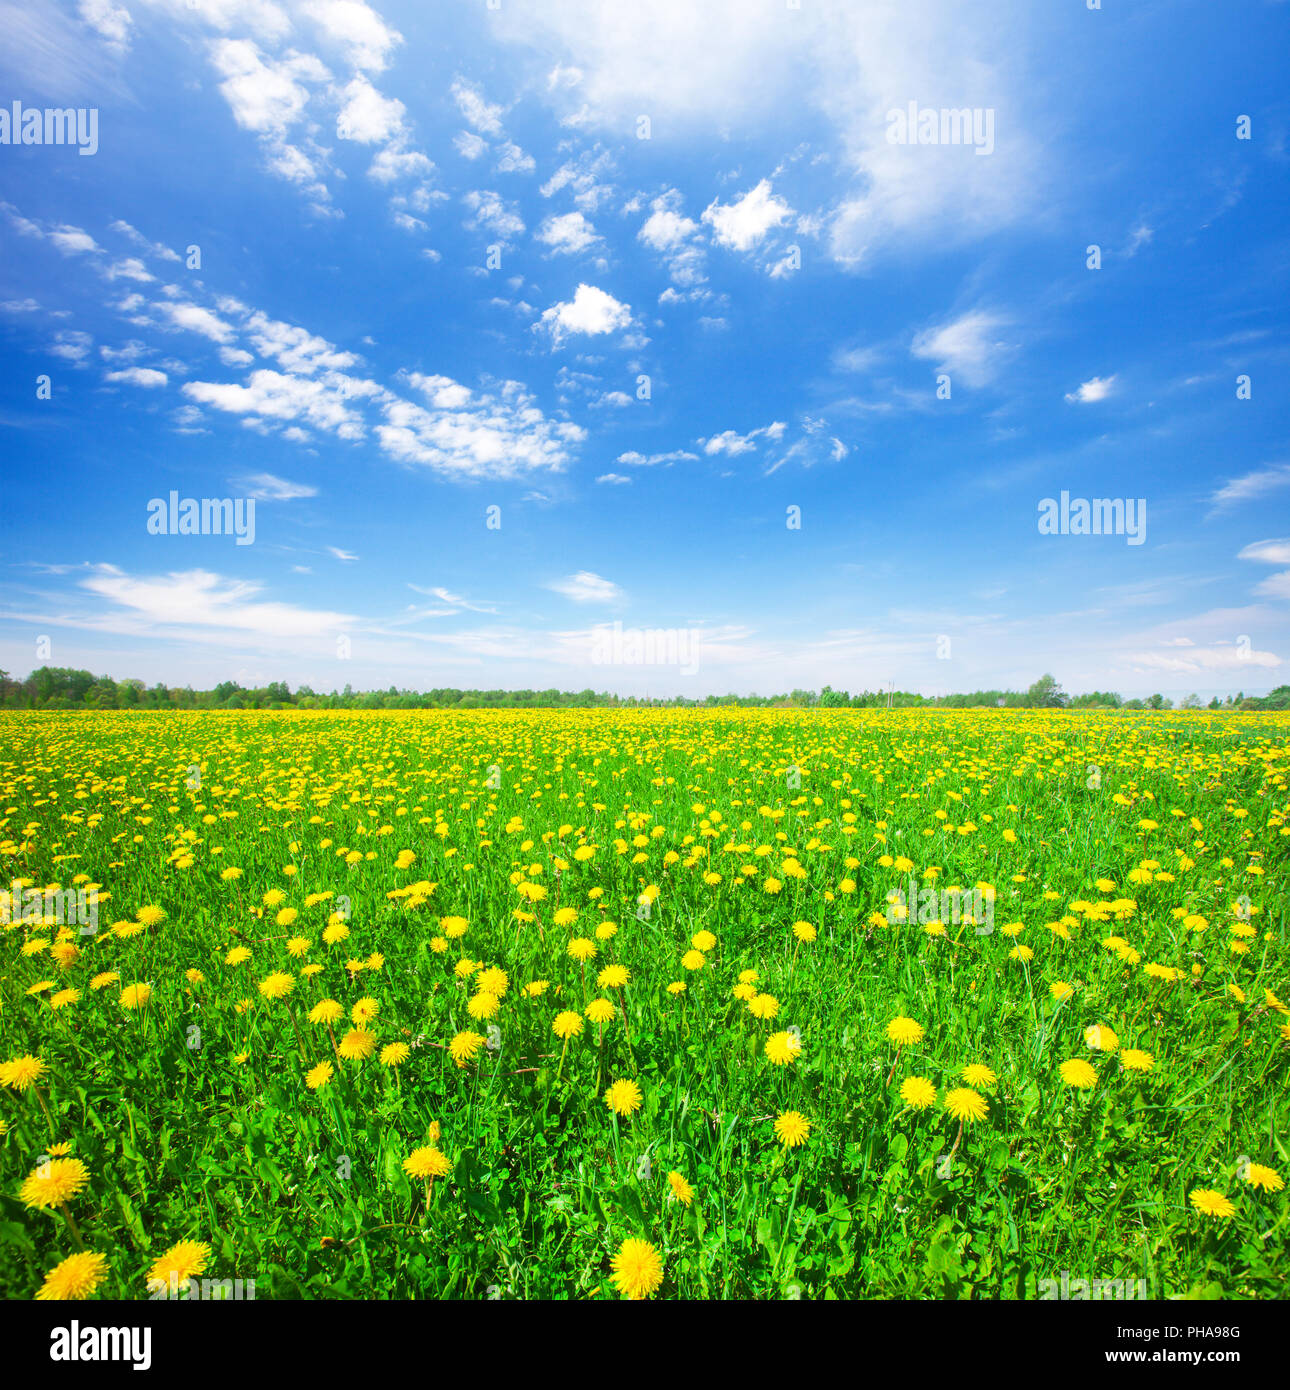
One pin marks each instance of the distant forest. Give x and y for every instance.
(58, 687)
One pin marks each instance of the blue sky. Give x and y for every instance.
(642, 279)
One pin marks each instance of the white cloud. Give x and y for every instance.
(477, 112)
(110, 21)
(131, 268)
(1139, 237)
(1095, 389)
(199, 598)
(591, 311)
(138, 376)
(742, 224)
(367, 116)
(636, 460)
(666, 228)
(358, 30)
(469, 145)
(1272, 552)
(1275, 585)
(1219, 657)
(441, 391)
(197, 320)
(492, 214)
(1250, 485)
(567, 234)
(967, 346)
(343, 555)
(326, 404)
(512, 160)
(396, 162)
(587, 587)
(72, 345)
(267, 96)
(294, 348)
(614, 479)
(265, 19)
(265, 487)
(732, 443)
(455, 601)
(670, 232)
(732, 68)
(72, 241)
(584, 177)
(501, 435)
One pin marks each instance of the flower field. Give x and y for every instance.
(619, 1003)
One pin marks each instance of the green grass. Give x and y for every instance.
(304, 1191)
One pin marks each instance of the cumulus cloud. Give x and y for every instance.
(591, 311)
(741, 225)
(477, 112)
(492, 214)
(368, 117)
(730, 66)
(110, 21)
(361, 34)
(732, 443)
(568, 233)
(668, 231)
(196, 319)
(1094, 389)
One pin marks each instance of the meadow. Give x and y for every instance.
(602, 1004)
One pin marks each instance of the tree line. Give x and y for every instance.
(59, 687)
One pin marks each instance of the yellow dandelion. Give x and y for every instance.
(963, 1103)
(792, 1129)
(184, 1261)
(1211, 1203)
(1078, 1073)
(783, 1048)
(319, 1076)
(624, 1098)
(427, 1163)
(917, 1092)
(681, 1190)
(53, 1182)
(904, 1032)
(464, 1046)
(75, 1277)
(637, 1269)
(1258, 1175)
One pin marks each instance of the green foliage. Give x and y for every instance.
(305, 1191)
